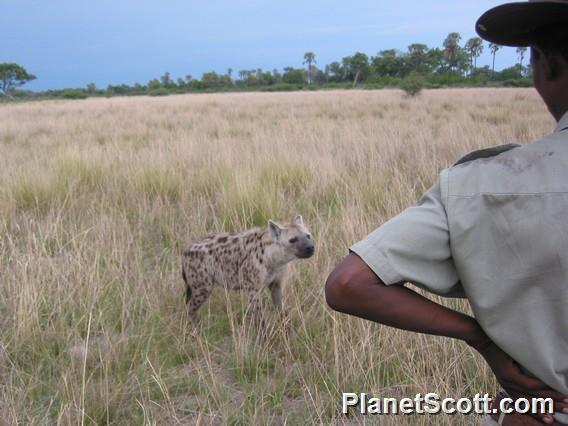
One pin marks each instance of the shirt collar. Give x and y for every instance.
(562, 124)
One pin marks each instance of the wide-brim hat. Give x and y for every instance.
(513, 24)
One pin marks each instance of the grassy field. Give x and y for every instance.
(99, 197)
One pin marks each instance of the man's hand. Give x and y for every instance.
(353, 288)
(519, 385)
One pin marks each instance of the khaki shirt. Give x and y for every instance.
(495, 230)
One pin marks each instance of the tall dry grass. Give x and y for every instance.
(98, 198)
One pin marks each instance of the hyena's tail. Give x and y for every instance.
(187, 287)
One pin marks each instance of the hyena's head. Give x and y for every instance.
(293, 239)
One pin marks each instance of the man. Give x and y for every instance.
(495, 230)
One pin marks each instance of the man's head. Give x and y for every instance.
(549, 61)
(542, 25)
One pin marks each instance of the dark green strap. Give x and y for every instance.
(486, 153)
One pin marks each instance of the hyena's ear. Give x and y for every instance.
(298, 220)
(274, 230)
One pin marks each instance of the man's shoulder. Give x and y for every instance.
(510, 169)
(485, 170)
(486, 153)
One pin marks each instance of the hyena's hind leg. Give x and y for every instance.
(197, 291)
(187, 287)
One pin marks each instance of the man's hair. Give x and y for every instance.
(552, 40)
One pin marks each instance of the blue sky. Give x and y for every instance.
(70, 43)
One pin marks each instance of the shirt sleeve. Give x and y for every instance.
(414, 247)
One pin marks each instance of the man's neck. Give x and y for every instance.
(559, 105)
(561, 114)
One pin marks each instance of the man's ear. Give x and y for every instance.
(298, 220)
(555, 67)
(274, 230)
(549, 64)
(552, 67)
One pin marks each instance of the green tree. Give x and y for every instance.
(319, 76)
(521, 53)
(356, 66)
(388, 63)
(276, 76)
(493, 48)
(417, 58)
(243, 75)
(11, 76)
(154, 84)
(121, 89)
(212, 80)
(166, 80)
(293, 75)
(452, 50)
(474, 47)
(310, 60)
(91, 88)
(435, 58)
(335, 72)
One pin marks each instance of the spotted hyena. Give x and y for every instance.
(250, 260)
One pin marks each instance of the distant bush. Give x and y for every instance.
(449, 79)
(162, 91)
(412, 85)
(518, 82)
(73, 94)
(282, 87)
(336, 85)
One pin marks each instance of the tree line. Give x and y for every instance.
(419, 66)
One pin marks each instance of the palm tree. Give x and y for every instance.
(521, 52)
(493, 48)
(417, 54)
(452, 49)
(309, 59)
(475, 48)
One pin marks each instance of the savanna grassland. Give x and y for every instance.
(99, 197)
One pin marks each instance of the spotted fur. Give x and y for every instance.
(250, 261)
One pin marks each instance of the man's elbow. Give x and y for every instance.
(338, 291)
(350, 285)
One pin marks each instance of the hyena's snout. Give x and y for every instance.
(307, 250)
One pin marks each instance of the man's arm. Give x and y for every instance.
(353, 288)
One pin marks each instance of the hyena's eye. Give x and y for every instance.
(308, 236)
(292, 240)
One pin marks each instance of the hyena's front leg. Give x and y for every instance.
(254, 303)
(276, 294)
